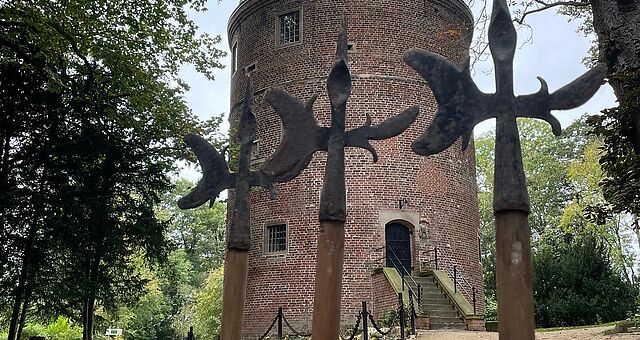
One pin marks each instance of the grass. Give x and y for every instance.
(555, 329)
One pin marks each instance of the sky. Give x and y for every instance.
(555, 53)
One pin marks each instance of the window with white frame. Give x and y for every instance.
(289, 28)
(276, 238)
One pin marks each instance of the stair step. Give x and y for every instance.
(442, 314)
(437, 307)
(460, 326)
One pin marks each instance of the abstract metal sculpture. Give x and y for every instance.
(461, 106)
(333, 210)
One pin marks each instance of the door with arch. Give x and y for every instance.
(398, 247)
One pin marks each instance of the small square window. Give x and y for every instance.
(276, 238)
(289, 28)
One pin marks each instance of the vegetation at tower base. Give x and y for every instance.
(91, 106)
(563, 183)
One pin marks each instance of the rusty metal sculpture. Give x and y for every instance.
(333, 211)
(301, 138)
(461, 106)
(217, 177)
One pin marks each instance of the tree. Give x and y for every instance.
(616, 23)
(199, 232)
(574, 283)
(104, 116)
(207, 309)
(562, 177)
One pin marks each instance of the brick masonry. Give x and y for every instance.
(440, 190)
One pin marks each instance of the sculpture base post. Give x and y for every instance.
(236, 266)
(514, 276)
(328, 290)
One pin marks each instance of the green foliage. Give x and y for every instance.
(574, 284)
(562, 178)
(93, 109)
(207, 308)
(620, 164)
(63, 329)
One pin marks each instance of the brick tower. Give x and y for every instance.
(410, 202)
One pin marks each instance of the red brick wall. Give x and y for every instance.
(384, 297)
(441, 189)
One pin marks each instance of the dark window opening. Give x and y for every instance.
(289, 28)
(276, 238)
(234, 58)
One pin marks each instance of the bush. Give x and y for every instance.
(574, 285)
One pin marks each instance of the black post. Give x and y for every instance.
(365, 327)
(473, 290)
(280, 323)
(455, 278)
(190, 334)
(401, 316)
(412, 316)
(419, 295)
(435, 250)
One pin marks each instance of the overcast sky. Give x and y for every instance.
(555, 54)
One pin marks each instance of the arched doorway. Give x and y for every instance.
(398, 247)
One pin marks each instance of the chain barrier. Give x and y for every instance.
(296, 333)
(378, 328)
(355, 328)
(273, 323)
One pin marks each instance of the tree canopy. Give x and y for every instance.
(92, 119)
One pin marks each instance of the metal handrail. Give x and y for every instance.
(458, 278)
(417, 296)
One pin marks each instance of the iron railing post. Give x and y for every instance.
(473, 290)
(365, 327)
(280, 323)
(401, 316)
(412, 318)
(455, 278)
(419, 295)
(435, 250)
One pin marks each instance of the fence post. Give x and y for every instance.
(473, 290)
(412, 317)
(401, 316)
(279, 323)
(435, 250)
(455, 278)
(365, 327)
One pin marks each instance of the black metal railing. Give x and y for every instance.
(362, 321)
(459, 280)
(404, 275)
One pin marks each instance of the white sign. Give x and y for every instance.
(114, 331)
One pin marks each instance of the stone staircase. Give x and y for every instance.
(436, 305)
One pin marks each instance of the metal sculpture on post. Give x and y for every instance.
(217, 177)
(333, 210)
(461, 106)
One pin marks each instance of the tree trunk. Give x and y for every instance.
(90, 300)
(617, 24)
(22, 283)
(23, 315)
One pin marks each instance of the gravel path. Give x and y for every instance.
(595, 333)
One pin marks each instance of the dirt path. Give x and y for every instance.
(595, 333)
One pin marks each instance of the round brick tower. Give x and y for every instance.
(425, 202)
